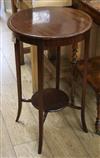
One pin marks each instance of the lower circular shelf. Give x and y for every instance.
(51, 99)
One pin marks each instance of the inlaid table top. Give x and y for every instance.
(50, 22)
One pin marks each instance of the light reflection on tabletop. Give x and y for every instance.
(40, 17)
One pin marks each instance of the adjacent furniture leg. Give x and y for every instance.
(13, 5)
(34, 68)
(98, 115)
(18, 75)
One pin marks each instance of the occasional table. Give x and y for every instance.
(51, 27)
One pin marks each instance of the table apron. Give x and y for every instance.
(54, 42)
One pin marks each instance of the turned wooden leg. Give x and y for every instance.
(74, 62)
(18, 75)
(98, 115)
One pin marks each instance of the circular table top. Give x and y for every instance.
(50, 22)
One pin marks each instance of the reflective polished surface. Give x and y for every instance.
(50, 22)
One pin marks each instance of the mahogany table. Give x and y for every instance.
(54, 27)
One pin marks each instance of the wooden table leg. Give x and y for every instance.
(21, 54)
(58, 53)
(40, 59)
(18, 75)
(84, 87)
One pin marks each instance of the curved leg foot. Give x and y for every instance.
(18, 75)
(19, 111)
